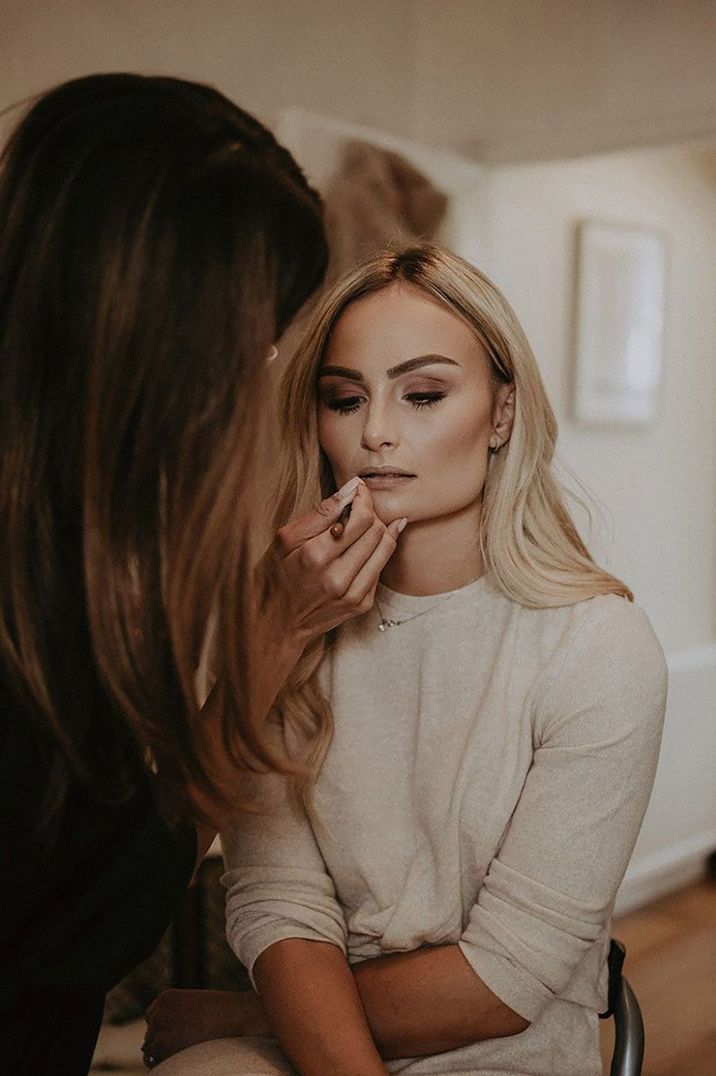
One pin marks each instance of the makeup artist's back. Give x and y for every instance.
(154, 242)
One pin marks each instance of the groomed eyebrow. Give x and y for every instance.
(394, 371)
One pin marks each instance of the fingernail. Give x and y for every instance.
(346, 492)
(401, 524)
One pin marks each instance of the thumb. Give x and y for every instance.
(318, 520)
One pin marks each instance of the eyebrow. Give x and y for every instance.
(395, 371)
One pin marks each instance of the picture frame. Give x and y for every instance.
(621, 283)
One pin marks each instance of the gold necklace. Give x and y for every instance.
(387, 622)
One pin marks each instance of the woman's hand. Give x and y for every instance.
(177, 1019)
(328, 569)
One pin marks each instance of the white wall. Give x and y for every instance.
(658, 483)
(493, 79)
(350, 59)
(533, 79)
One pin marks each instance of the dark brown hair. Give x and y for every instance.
(154, 241)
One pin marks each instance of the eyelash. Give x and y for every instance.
(419, 400)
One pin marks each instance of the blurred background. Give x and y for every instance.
(501, 126)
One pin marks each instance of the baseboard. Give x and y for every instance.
(664, 871)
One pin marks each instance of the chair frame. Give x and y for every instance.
(628, 1053)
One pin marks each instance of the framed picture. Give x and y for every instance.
(620, 323)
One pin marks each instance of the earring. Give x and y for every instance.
(494, 444)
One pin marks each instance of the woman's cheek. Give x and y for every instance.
(327, 448)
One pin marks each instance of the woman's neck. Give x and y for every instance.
(437, 555)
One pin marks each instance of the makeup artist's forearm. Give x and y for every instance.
(429, 1001)
(311, 1000)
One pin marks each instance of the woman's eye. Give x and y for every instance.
(419, 400)
(344, 405)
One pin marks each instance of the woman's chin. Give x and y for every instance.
(389, 506)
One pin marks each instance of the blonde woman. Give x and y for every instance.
(481, 742)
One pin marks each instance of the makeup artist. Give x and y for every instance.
(154, 242)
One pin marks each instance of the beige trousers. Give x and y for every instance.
(228, 1057)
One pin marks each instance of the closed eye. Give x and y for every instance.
(419, 400)
(347, 405)
(344, 405)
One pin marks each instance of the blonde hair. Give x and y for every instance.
(529, 542)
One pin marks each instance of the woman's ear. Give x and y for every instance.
(503, 415)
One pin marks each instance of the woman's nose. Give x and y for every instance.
(379, 431)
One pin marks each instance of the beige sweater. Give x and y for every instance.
(485, 786)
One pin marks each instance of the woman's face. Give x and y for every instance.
(406, 401)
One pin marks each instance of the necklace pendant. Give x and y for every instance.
(386, 622)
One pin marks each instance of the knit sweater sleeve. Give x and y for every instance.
(276, 880)
(549, 891)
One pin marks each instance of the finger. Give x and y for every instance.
(361, 508)
(347, 568)
(357, 518)
(151, 1054)
(355, 556)
(337, 577)
(338, 528)
(366, 580)
(319, 520)
(318, 554)
(397, 527)
(341, 575)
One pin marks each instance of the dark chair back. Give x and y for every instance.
(628, 1055)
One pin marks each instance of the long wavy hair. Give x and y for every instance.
(530, 545)
(154, 241)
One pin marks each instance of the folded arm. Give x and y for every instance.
(315, 1011)
(286, 925)
(430, 1001)
(333, 1019)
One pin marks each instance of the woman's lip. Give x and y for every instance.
(386, 470)
(386, 481)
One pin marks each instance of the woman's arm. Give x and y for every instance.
(430, 1001)
(404, 1005)
(546, 901)
(315, 1010)
(414, 1004)
(285, 924)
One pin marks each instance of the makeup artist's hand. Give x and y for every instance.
(321, 569)
(328, 569)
